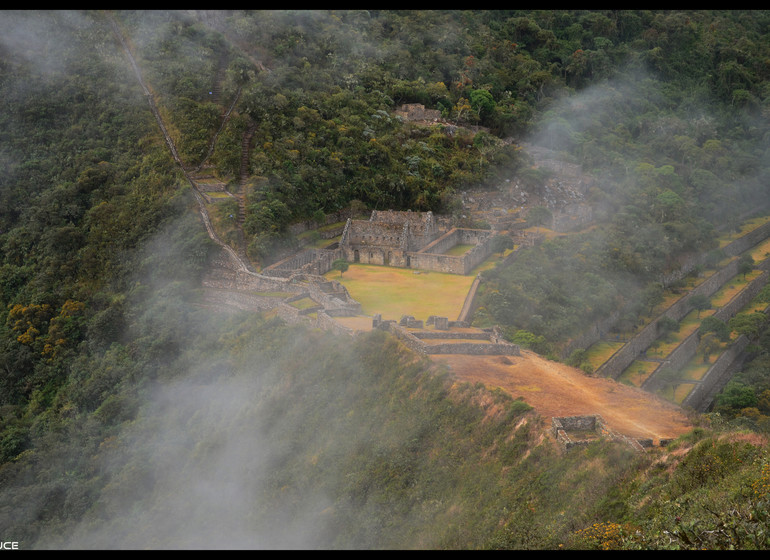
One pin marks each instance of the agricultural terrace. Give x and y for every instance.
(394, 292)
(746, 227)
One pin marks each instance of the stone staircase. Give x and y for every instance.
(248, 135)
(216, 90)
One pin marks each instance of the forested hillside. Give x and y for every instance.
(133, 415)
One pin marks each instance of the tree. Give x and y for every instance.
(716, 326)
(319, 217)
(341, 265)
(700, 302)
(500, 243)
(708, 344)
(736, 396)
(745, 265)
(482, 102)
(652, 296)
(539, 216)
(749, 324)
(667, 325)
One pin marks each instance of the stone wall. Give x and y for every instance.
(444, 243)
(741, 299)
(417, 112)
(437, 263)
(732, 249)
(376, 234)
(326, 322)
(715, 378)
(623, 357)
(747, 241)
(572, 217)
(240, 300)
(432, 257)
(560, 426)
(683, 353)
(495, 347)
(593, 334)
(474, 349)
(307, 225)
(472, 335)
(469, 305)
(240, 280)
(675, 361)
(311, 261)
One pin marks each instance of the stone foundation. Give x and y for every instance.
(592, 428)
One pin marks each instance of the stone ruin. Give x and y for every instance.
(394, 238)
(417, 112)
(578, 431)
(412, 240)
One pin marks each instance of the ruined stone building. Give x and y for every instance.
(387, 238)
(412, 240)
(394, 238)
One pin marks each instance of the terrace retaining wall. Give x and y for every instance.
(623, 357)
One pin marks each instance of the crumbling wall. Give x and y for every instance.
(561, 426)
(309, 261)
(572, 217)
(417, 112)
(495, 347)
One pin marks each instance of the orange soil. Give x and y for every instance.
(554, 389)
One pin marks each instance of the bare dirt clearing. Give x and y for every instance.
(555, 389)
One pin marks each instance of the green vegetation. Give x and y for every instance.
(134, 415)
(394, 292)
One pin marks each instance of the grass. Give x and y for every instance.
(695, 368)
(459, 249)
(395, 292)
(637, 372)
(275, 294)
(754, 306)
(688, 325)
(331, 227)
(601, 351)
(760, 251)
(746, 227)
(681, 391)
(492, 261)
(731, 288)
(303, 303)
(321, 243)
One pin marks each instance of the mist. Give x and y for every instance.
(206, 428)
(192, 471)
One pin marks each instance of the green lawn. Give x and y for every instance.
(394, 292)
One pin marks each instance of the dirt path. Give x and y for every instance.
(555, 389)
